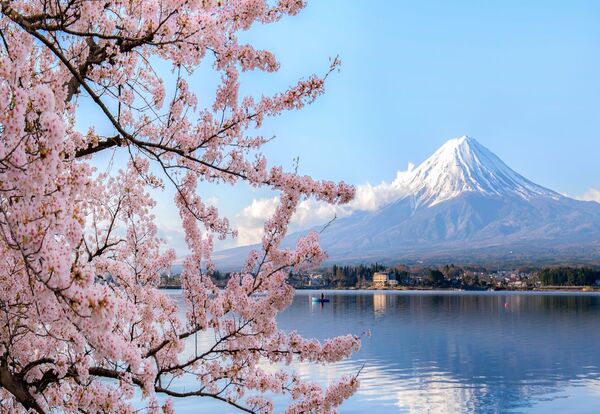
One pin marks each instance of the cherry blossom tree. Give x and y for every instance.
(84, 326)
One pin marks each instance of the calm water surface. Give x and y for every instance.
(454, 352)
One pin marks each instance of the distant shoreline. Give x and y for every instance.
(421, 288)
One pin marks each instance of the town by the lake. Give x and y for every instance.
(379, 277)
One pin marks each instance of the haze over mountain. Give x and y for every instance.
(462, 204)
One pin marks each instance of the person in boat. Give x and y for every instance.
(322, 296)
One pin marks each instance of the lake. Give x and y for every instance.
(451, 352)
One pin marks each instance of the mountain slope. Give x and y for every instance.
(463, 203)
(462, 165)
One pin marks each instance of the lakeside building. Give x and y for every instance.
(316, 280)
(380, 279)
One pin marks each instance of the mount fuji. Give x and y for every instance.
(463, 204)
(464, 166)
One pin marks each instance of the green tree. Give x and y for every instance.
(436, 277)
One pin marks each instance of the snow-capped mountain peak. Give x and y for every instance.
(463, 165)
(461, 204)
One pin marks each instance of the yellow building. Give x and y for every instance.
(315, 280)
(380, 279)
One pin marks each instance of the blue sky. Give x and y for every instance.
(521, 77)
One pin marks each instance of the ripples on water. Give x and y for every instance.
(454, 352)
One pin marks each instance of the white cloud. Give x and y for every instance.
(371, 198)
(590, 195)
(250, 221)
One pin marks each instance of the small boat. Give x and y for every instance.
(319, 300)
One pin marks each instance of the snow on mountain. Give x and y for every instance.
(462, 203)
(462, 165)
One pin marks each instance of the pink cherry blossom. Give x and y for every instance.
(84, 325)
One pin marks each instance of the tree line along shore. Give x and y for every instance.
(377, 276)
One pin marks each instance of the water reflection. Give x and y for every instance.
(379, 300)
(450, 352)
(462, 352)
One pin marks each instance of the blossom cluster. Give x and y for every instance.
(84, 323)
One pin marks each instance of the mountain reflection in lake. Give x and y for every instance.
(454, 352)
